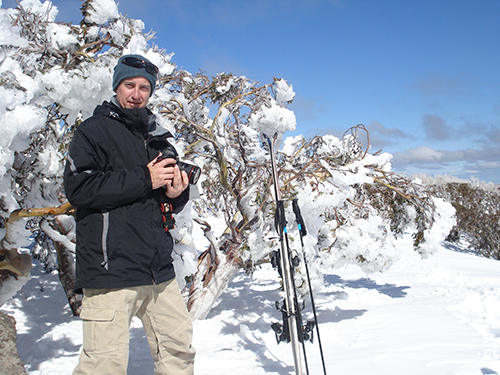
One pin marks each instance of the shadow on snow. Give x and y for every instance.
(253, 309)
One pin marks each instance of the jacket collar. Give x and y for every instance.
(140, 120)
(136, 119)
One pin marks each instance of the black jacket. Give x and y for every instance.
(121, 239)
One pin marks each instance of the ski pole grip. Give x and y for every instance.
(298, 218)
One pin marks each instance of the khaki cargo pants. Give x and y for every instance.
(106, 315)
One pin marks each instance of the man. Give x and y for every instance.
(125, 196)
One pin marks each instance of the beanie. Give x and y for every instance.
(123, 71)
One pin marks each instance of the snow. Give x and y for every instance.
(44, 10)
(443, 222)
(273, 118)
(60, 36)
(9, 34)
(102, 11)
(284, 92)
(437, 315)
(421, 317)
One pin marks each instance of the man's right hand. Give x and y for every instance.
(160, 173)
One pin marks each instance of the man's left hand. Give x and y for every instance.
(177, 184)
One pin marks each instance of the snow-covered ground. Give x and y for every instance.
(435, 316)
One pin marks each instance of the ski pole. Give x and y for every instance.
(303, 233)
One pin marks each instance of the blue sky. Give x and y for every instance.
(423, 76)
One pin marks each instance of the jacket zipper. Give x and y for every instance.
(105, 229)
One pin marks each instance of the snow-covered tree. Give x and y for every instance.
(54, 74)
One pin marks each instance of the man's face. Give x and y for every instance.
(133, 92)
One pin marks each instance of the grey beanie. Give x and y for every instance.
(123, 71)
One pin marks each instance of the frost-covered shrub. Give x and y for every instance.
(477, 208)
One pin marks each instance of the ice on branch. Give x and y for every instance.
(101, 11)
(61, 36)
(273, 118)
(284, 92)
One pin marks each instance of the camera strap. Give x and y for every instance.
(168, 219)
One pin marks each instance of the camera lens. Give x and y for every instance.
(192, 171)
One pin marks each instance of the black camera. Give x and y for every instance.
(192, 171)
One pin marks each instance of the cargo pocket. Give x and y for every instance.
(99, 329)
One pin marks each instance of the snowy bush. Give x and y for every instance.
(53, 75)
(477, 206)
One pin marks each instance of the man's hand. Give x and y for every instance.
(169, 177)
(177, 184)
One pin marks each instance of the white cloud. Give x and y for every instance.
(482, 163)
(418, 155)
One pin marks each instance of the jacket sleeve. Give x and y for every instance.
(179, 202)
(89, 185)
